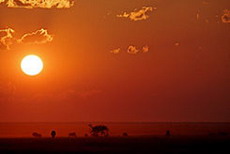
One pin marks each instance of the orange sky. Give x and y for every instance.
(177, 67)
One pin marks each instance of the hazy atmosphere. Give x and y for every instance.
(116, 61)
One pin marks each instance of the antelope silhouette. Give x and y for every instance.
(53, 133)
(37, 135)
(99, 130)
(73, 134)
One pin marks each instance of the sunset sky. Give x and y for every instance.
(116, 60)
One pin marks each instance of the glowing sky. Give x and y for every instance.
(116, 60)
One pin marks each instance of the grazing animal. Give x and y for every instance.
(99, 130)
(73, 134)
(125, 134)
(37, 135)
(53, 133)
(168, 133)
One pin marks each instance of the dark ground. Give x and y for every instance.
(201, 144)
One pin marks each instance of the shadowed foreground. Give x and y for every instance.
(174, 144)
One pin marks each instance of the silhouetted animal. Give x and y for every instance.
(73, 134)
(125, 134)
(99, 130)
(37, 135)
(168, 133)
(53, 134)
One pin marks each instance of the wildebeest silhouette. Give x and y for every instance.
(168, 133)
(99, 130)
(125, 134)
(53, 133)
(73, 134)
(37, 135)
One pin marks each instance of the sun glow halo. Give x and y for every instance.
(31, 65)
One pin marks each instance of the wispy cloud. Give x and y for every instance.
(6, 38)
(116, 51)
(38, 37)
(133, 50)
(177, 44)
(30, 4)
(198, 15)
(226, 16)
(145, 49)
(137, 15)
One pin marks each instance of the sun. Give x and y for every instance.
(31, 65)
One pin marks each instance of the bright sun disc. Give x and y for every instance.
(31, 65)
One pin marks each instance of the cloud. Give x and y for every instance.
(177, 44)
(30, 4)
(145, 49)
(226, 16)
(6, 38)
(198, 15)
(132, 50)
(116, 51)
(137, 15)
(38, 37)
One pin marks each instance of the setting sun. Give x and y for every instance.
(31, 65)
